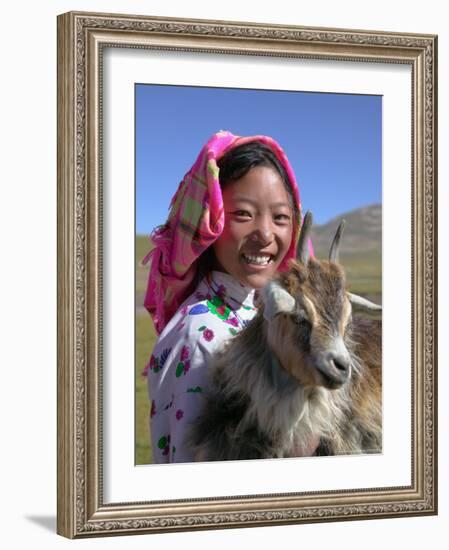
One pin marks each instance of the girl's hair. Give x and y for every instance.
(238, 161)
(235, 164)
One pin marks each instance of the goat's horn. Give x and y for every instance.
(333, 253)
(302, 250)
(363, 302)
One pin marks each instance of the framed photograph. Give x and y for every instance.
(356, 114)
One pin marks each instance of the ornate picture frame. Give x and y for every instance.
(83, 510)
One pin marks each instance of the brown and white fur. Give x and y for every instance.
(303, 378)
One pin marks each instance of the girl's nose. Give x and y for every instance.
(263, 233)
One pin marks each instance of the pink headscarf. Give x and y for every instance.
(195, 221)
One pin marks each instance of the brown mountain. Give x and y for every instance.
(360, 249)
(362, 235)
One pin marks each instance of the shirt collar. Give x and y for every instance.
(231, 288)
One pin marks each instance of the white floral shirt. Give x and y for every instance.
(177, 372)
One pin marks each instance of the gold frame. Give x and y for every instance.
(81, 38)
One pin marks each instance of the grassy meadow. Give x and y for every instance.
(145, 340)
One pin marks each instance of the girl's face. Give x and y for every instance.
(258, 227)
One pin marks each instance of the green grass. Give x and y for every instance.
(143, 246)
(364, 274)
(145, 340)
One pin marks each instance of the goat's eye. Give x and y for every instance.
(348, 324)
(300, 317)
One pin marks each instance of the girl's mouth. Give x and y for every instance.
(258, 259)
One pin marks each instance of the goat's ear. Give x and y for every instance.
(365, 306)
(276, 300)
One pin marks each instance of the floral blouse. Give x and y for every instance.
(177, 372)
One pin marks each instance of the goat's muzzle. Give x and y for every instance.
(334, 370)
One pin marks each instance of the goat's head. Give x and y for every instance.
(308, 311)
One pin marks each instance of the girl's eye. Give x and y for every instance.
(282, 217)
(242, 213)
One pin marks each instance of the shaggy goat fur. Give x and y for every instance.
(268, 399)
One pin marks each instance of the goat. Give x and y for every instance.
(303, 378)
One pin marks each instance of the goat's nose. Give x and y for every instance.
(335, 368)
(340, 362)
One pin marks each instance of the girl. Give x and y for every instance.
(233, 223)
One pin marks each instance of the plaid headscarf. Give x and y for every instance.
(195, 221)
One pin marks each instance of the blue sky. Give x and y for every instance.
(333, 141)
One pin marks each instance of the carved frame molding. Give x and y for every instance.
(81, 39)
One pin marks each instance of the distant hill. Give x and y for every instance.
(362, 234)
(360, 248)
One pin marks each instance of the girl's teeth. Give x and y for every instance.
(259, 260)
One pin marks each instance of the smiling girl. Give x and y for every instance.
(233, 223)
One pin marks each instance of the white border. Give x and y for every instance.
(123, 482)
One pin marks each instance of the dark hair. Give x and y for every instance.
(238, 161)
(235, 164)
